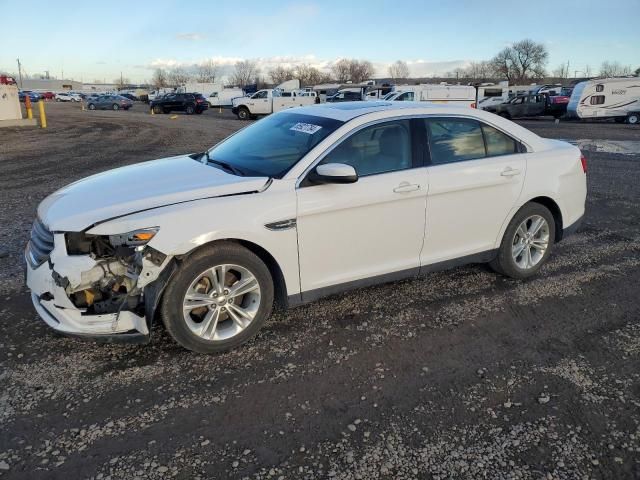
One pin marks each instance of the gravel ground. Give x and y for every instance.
(462, 374)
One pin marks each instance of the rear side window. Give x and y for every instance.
(498, 143)
(597, 100)
(454, 140)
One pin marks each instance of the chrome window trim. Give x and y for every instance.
(329, 149)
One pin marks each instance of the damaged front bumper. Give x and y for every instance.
(52, 280)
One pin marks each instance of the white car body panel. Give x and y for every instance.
(338, 234)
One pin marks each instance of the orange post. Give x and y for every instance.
(27, 105)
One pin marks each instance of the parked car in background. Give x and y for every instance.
(305, 203)
(345, 96)
(533, 106)
(47, 95)
(68, 97)
(109, 102)
(33, 96)
(180, 102)
(131, 97)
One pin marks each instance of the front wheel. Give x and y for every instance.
(115, 106)
(219, 299)
(527, 242)
(633, 118)
(244, 114)
(92, 106)
(157, 110)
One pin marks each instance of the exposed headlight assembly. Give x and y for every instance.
(135, 238)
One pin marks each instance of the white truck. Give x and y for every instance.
(223, 97)
(267, 101)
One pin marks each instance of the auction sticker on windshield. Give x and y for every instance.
(305, 128)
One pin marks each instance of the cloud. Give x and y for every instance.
(190, 37)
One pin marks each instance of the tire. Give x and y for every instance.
(633, 118)
(91, 106)
(58, 100)
(189, 109)
(506, 262)
(157, 110)
(193, 276)
(115, 106)
(243, 113)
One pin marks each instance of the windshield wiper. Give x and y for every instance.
(226, 166)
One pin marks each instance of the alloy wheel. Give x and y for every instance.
(221, 302)
(530, 242)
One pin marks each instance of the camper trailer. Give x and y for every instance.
(455, 94)
(617, 98)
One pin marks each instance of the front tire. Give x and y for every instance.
(219, 299)
(115, 106)
(527, 242)
(92, 106)
(243, 113)
(157, 110)
(633, 118)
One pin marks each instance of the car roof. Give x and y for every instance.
(345, 111)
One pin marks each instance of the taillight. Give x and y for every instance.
(583, 161)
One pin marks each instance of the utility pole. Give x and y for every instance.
(19, 72)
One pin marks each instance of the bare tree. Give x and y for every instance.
(245, 72)
(562, 71)
(341, 70)
(523, 61)
(206, 72)
(159, 78)
(121, 82)
(281, 74)
(178, 76)
(614, 69)
(309, 75)
(399, 69)
(360, 70)
(637, 72)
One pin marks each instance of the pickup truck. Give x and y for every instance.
(532, 106)
(265, 102)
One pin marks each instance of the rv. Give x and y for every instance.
(455, 94)
(617, 98)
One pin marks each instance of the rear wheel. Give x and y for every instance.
(243, 113)
(92, 106)
(633, 118)
(527, 242)
(189, 109)
(219, 299)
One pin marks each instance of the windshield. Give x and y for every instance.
(271, 146)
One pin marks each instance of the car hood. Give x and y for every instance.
(139, 187)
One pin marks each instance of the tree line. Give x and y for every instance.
(521, 62)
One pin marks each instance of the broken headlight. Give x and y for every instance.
(135, 238)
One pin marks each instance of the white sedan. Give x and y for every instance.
(68, 97)
(305, 203)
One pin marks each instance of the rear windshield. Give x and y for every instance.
(271, 146)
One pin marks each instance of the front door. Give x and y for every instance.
(475, 179)
(351, 233)
(259, 103)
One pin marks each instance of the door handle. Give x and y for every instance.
(510, 172)
(405, 187)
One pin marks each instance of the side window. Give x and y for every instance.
(498, 143)
(454, 140)
(597, 100)
(599, 88)
(380, 148)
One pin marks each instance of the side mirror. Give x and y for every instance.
(333, 173)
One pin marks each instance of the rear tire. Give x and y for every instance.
(526, 245)
(189, 110)
(92, 106)
(187, 325)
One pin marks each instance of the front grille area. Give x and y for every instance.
(40, 243)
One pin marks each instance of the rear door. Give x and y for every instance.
(476, 173)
